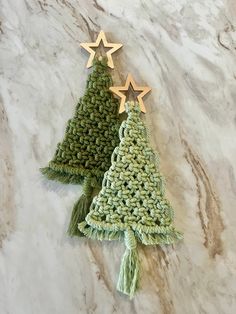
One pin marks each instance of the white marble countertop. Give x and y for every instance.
(186, 51)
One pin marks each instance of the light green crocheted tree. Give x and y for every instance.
(90, 138)
(131, 204)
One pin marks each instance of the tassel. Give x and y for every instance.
(129, 269)
(81, 209)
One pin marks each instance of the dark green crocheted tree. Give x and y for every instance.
(90, 138)
(131, 204)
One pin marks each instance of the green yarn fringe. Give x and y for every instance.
(62, 177)
(92, 232)
(80, 211)
(100, 235)
(160, 238)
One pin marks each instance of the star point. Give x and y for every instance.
(101, 38)
(119, 91)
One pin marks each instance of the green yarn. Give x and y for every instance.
(81, 209)
(129, 270)
(97, 234)
(62, 177)
(91, 135)
(131, 200)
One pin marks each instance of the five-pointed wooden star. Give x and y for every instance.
(118, 90)
(89, 47)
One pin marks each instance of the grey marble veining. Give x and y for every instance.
(186, 51)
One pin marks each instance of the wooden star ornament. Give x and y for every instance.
(119, 91)
(101, 38)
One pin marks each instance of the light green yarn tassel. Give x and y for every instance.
(129, 269)
(81, 209)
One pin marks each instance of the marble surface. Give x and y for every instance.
(186, 51)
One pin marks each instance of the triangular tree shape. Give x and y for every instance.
(91, 136)
(131, 204)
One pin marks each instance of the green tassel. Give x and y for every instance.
(129, 270)
(81, 209)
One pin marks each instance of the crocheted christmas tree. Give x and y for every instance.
(90, 138)
(131, 205)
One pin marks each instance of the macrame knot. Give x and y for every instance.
(132, 107)
(130, 240)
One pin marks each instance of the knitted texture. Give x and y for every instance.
(91, 135)
(131, 204)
